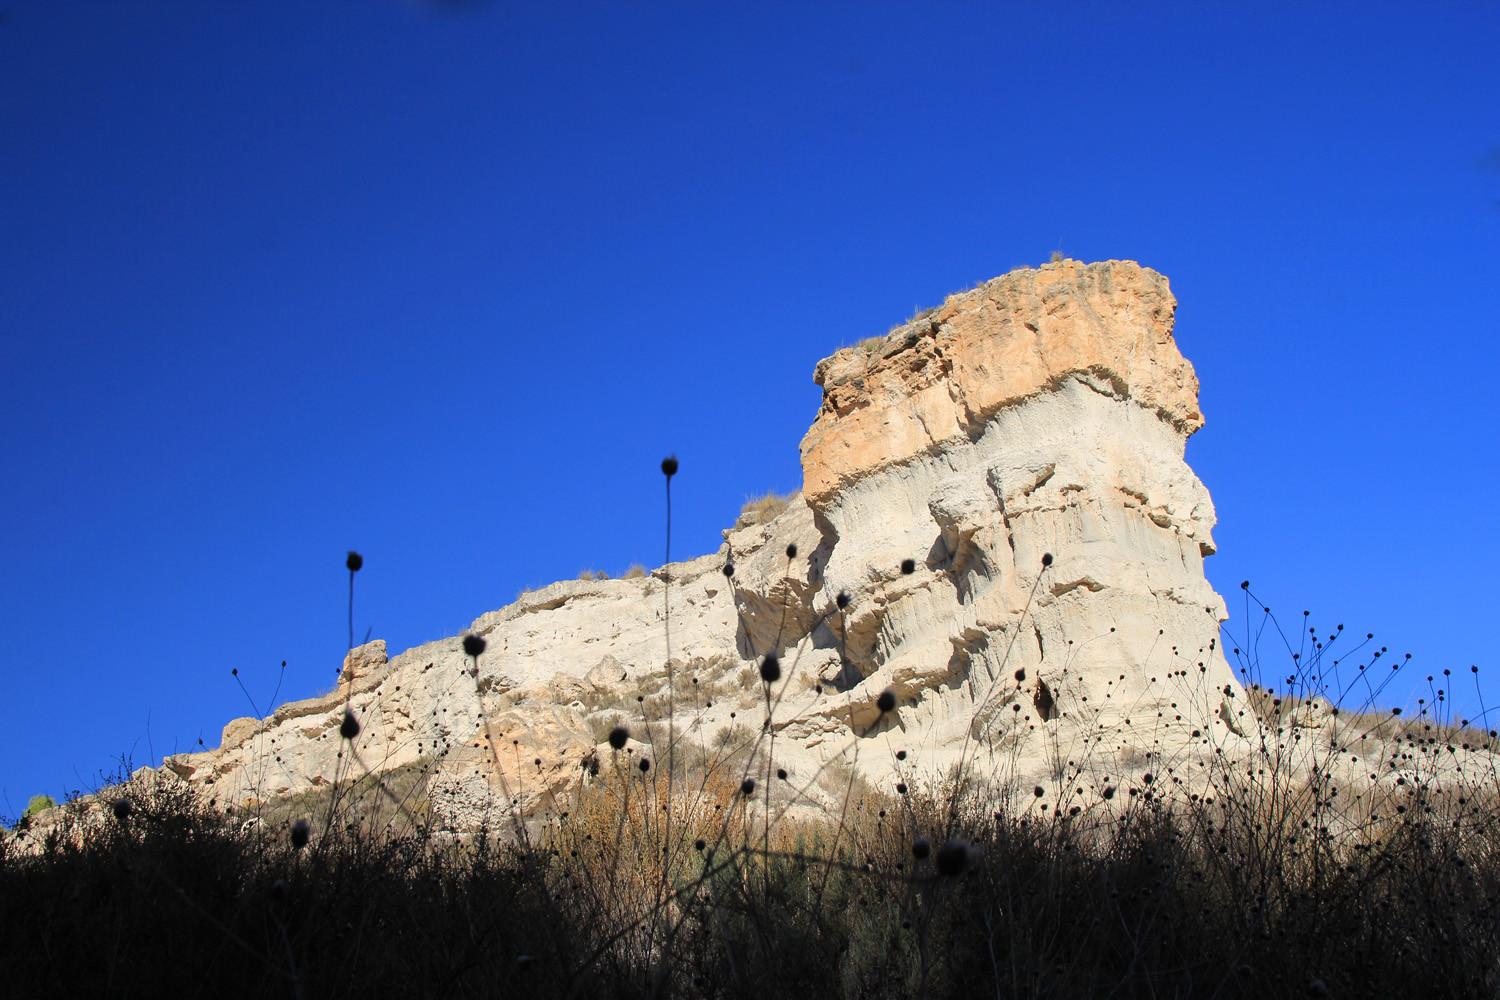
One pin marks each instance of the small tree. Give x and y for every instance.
(37, 804)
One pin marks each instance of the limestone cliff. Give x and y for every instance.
(1043, 412)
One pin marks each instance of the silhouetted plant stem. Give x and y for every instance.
(353, 562)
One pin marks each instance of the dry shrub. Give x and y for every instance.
(764, 508)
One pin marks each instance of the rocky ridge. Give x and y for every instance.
(998, 488)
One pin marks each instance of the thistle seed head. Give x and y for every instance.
(300, 831)
(955, 857)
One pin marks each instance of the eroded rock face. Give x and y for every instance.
(361, 660)
(1045, 412)
(521, 761)
(936, 382)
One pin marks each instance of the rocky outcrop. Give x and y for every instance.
(1042, 414)
(361, 660)
(1045, 412)
(936, 382)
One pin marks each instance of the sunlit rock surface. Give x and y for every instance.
(1042, 413)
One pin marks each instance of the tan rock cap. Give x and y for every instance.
(938, 377)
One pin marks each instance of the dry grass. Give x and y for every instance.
(764, 508)
(637, 891)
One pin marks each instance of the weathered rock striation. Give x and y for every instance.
(1042, 413)
(1045, 411)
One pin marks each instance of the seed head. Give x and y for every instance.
(699, 844)
(747, 787)
(781, 773)
(886, 702)
(1021, 674)
(728, 569)
(900, 788)
(920, 848)
(354, 561)
(474, 645)
(349, 728)
(842, 600)
(1038, 791)
(770, 669)
(618, 736)
(955, 857)
(1046, 559)
(300, 831)
(645, 765)
(791, 551)
(908, 567)
(669, 466)
(122, 808)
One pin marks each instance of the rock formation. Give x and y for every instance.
(1042, 413)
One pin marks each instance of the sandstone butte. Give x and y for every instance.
(1043, 412)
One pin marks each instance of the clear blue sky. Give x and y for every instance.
(443, 285)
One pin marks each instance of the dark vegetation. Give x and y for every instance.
(683, 881)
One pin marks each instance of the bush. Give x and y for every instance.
(764, 508)
(37, 804)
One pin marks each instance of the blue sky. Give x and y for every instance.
(443, 284)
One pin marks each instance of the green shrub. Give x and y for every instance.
(37, 804)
